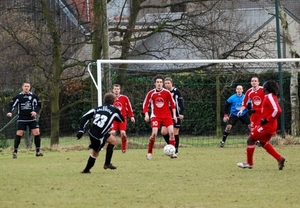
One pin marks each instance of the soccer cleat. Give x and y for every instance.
(258, 144)
(149, 156)
(110, 166)
(86, 171)
(244, 165)
(123, 151)
(175, 155)
(281, 163)
(222, 144)
(14, 155)
(39, 154)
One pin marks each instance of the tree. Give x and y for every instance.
(48, 41)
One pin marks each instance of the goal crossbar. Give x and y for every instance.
(205, 61)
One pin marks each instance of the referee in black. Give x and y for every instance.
(28, 105)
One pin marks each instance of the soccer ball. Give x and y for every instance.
(169, 150)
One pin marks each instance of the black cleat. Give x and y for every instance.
(222, 144)
(110, 166)
(86, 171)
(281, 163)
(14, 155)
(39, 154)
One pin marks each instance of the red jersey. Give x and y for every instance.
(160, 102)
(256, 98)
(123, 104)
(271, 111)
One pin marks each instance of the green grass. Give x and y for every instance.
(201, 177)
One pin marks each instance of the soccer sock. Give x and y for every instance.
(37, 142)
(167, 137)
(150, 145)
(225, 135)
(124, 143)
(90, 163)
(176, 143)
(109, 153)
(250, 152)
(17, 143)
(172, 141)
(270, 149)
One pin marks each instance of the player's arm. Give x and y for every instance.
(225, 111)
(11, 106)
(244, 103)
(129, 110)
(85, 119)
(180, 104)
(146, 106)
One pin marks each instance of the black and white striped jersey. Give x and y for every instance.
(178, 98)
(26, 103)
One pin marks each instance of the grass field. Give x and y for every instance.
(199, 177)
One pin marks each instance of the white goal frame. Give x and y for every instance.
(206, 61)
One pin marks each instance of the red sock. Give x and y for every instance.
(172, 141)
(270, 149)
(250, 151)
(150, 145)
(124, 143)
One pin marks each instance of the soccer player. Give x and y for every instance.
(103, 117)
(178, 98)
(256, 95)
(28, 105)
(235, 104)
(263, 132)
(159, 99)
(123, 104)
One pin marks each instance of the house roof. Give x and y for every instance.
(164, 45)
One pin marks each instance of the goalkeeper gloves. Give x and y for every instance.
(263, 121)
(79, 135)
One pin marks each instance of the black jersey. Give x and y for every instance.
(177, 96)
(103, 118)
(26, 103)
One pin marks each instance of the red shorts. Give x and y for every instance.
(261, 134)
(156, 122)
(119, 126)
(254, 119)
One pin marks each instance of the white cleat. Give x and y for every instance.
(244, 165)
(175, 155)
(149, 156)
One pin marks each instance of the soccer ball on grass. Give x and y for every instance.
(169, 150)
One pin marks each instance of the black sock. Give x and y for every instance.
(167, 138)
(17, 143)
(109, 153)
(37, 142)
(90, 164)
(225, 135)
(177, 143)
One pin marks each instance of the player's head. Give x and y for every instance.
(26, 87)
(168, 83)
(254, 82)
(239, 89)
(116, 89)
(109, 98)
(271, 87)
(159, 81)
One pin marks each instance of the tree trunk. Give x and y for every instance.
(218, 107)
(295, 128)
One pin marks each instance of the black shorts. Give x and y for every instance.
(178, 124)
(21, 125)
(245, 119)
(98, 143)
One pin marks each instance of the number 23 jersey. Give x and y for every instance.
(103, 119)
